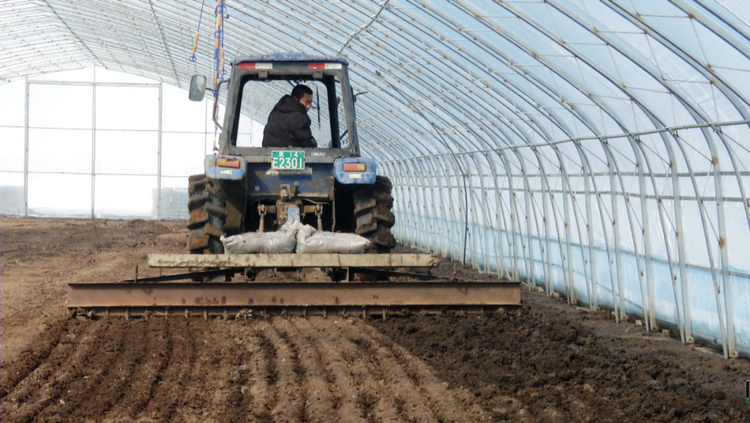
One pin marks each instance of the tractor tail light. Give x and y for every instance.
(355, 167)
(225, 162)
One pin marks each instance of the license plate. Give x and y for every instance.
(288, 160)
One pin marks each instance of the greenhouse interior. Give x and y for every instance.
(594, 150)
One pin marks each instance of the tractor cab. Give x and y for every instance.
(257, 83)
(263, 187)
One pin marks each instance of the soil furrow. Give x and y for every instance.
(341, 382)
(156, 347)
(289, 402)
(225, 377)
(20, 368)
(59, 356)
(173, 383)
(193, 402)
(374, 397)
(110, 387)
(319, 404)
(258, 399)
(80, 392)
(49, 386)
(414, 405)
(240, 373)
(441, 399)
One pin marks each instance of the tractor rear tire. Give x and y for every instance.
(207, 216)
(372, 210)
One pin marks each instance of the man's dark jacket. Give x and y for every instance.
(288, 125)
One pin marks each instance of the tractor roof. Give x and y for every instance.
(289, 57)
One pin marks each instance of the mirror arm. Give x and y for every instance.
(215, 114)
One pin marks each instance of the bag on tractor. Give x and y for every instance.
(311, 241)
(282, 241)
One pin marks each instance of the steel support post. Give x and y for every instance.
(26, 147)
(428, 226)
(667, 246)
(724, 253)
(594, 300)
(513, 220)
(527, 209)
(93, 148)
(548, 286)
(686, 329)
(159, 153)
(646, 238)
(557, 219)
(540, 237)
(613, 169)
(592, 245)
(501, 226)
(568, 262)
(445, 206)
(730, 304)
(581, 243)
(704, 222)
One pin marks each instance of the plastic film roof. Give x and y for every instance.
(597, 146)
(479, 74)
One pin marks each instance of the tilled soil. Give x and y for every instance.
(547, 366)
(550, 363)
(277, 369)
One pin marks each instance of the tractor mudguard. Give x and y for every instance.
(231, 168)
(351, 175)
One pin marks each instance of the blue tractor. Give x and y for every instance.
(246, 187)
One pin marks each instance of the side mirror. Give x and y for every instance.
(197, 88)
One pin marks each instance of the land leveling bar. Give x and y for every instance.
(197, 296)
(292, 260)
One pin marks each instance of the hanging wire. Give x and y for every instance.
(197, 34)
(219, 71)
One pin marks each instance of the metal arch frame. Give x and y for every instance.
(621, 126)
(628, 53)
(515, 246)
(588, 202)
(394, 162)
(733, 96)
(602, 72)
(730, 92)
(570, 80)
(722, 33)
(722, 16)
(645, 109)
(79, 13)
(695, 113)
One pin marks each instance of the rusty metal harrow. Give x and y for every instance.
(162, 296)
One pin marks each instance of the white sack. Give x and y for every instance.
(282, 241)
(310, 241)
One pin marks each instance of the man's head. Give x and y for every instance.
(303, 93)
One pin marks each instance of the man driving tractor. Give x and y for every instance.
(288, 124)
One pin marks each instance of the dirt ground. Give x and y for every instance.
(551, 363)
